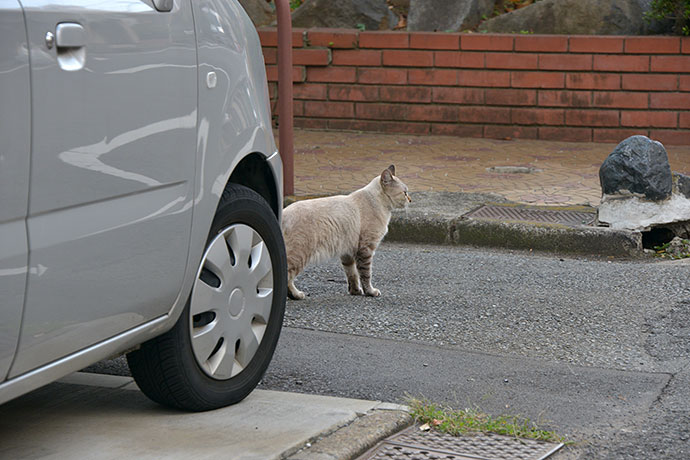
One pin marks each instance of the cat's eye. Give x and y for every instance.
(409, 200)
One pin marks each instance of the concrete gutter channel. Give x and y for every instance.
(440, 218)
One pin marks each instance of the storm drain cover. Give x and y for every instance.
(525, 214)
(427, 445)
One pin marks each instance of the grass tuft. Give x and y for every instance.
(457, 422)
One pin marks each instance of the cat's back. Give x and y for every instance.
(321, 227)
(329, 209)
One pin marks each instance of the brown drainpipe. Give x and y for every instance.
(285, 134)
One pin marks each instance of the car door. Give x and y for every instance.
(114, 110)
(15, 123)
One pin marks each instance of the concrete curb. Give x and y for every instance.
(356, 438)
(438, 218)
(515, 235)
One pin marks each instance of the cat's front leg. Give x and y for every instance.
(365, 257)
(350, 268)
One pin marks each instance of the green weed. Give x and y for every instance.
(457, 422)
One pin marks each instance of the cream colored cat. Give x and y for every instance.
(350, 227)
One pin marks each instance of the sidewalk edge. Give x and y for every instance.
(515, 235)
(356, 438)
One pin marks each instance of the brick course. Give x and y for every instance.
(568, 88)
(595, 44)
(652, 45)
(487, 42)
(510, 97)
(435, 77)
(586, 80)
(332, 38)
(645, 119)
(434, 41)
(357, 57)
(650, 82)
(353, 93)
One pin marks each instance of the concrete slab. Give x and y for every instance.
(96, 417)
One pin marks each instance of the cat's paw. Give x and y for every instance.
(296, 294)
(373, 292)
(355, 290)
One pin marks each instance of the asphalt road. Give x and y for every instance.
(595, 349)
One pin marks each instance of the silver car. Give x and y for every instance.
(140, 197)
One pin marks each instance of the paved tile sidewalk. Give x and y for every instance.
(563, 173)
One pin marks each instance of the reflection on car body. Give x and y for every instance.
(124, 175)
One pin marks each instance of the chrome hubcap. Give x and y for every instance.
(231, 302)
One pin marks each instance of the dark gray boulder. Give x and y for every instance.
(447, 15)
(350, 14)
(637, 165)
(591, 17)
(640, 192)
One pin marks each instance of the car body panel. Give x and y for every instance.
(232, 122)
(14, 175)
(112, 165)
(234, 115)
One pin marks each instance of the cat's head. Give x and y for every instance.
(394, 188)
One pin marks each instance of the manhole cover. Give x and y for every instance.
(523, 214)
(420, 445)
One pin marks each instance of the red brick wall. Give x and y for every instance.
(566, 88)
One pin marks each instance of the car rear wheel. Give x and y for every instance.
(221, 345)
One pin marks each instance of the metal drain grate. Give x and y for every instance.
(522, 214)
(414, 444)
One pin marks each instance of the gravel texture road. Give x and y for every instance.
(617, 314)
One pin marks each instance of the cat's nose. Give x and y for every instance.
(409, 200)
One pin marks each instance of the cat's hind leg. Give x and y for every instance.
(350, 268)
(365, 257)
(293, 292)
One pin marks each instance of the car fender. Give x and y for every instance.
(234, 119)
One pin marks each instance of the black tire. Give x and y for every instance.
(165, 368)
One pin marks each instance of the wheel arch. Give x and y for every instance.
(254, 172)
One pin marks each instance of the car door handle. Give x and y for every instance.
(70, 35)
(70, 41)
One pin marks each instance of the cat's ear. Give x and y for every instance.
(391, 168)
(386, 177)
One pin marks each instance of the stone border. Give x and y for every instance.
(359, 436)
